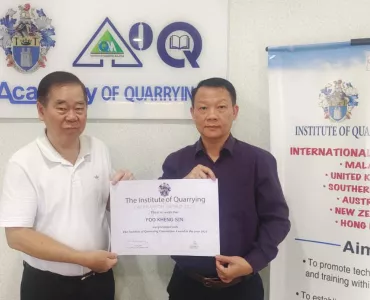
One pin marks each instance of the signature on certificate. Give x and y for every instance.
(138, 244)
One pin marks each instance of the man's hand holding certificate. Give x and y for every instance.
(165, 217)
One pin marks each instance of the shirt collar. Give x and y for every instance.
(53, 155)
(228, 145)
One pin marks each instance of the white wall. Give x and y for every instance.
(142, 146)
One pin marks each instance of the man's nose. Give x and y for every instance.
(71, 116)
(212, 114)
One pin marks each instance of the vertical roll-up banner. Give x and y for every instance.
(320, 136)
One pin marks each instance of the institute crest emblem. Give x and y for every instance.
(164, 189)
(26, 37)
(338, 99)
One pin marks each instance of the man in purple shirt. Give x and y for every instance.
(252, 209)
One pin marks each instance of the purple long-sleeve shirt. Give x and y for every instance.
(254, 216)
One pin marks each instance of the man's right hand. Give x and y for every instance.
(99, 261)
(41, 246)
(201, 172)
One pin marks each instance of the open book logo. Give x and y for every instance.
(180, 42)
(180, 36)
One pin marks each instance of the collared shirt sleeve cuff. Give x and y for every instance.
(257, 260)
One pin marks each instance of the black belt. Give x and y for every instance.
(41, 272)
(214, 282)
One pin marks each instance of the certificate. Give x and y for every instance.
(165, 217)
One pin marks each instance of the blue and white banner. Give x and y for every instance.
(320, 134)
(139, 59)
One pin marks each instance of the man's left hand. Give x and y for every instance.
(237, 267)
(122, 175)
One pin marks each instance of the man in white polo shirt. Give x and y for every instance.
(54, 200)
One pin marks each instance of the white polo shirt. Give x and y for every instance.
(66, 202)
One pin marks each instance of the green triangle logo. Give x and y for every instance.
(107, 45)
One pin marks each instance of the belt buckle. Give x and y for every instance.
(208, 282)
(87, 275)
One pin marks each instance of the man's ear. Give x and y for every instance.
(192, 112)
(235, 111)
(40, 110)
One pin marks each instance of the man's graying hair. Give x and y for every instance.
(54, 79)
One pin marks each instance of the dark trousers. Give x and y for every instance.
(182, 287)
(43, 285)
